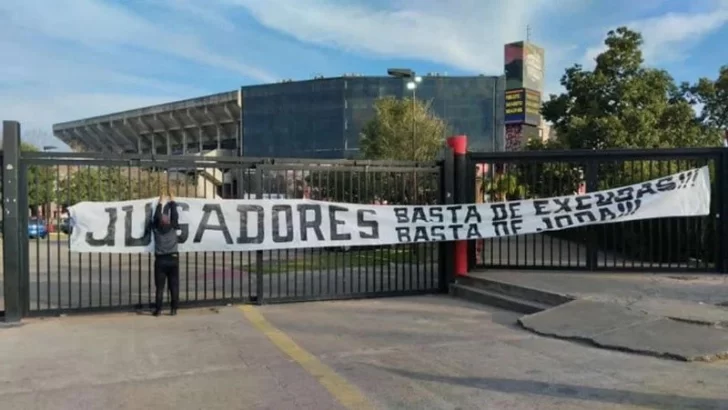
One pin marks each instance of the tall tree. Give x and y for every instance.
(713, 96)
(41, 183)
(623, 104)
(402, 129)
(114, 184)
(94, 184)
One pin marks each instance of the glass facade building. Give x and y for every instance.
(323, 118)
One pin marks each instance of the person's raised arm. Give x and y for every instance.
(173, 213)
(157, 215)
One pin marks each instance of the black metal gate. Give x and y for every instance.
(669, 244)
(54, 280)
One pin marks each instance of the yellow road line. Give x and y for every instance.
(346, 393)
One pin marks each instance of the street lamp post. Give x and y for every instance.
(412, 83)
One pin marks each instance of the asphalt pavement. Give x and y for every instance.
(420, 353)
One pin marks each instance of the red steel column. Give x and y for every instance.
(459, 145)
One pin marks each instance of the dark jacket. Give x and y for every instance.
(165, 235)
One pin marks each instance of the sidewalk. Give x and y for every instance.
(419, 353)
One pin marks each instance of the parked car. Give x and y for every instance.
(37, 228)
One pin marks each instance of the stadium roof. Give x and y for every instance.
(196, 121)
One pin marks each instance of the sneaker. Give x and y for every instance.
(173, 312)
(157, 312)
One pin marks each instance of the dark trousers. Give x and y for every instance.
(166, 269)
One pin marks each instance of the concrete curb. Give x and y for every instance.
(629, 331)
(506, 295)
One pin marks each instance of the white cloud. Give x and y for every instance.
(669, 36)
(102, 26)
(71, 59)
(468, 34)
(36, 112)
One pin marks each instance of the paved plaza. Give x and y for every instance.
(430, 352)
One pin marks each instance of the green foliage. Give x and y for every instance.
(41, 181)
(112, 184)
(623, 104)
(503, 187)
(369, 187)
(403, 129)
(713, 95)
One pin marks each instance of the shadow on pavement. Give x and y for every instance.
(567, 391)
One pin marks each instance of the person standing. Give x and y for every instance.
(165, 223)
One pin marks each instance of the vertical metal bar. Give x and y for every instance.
(58, 245)
(518, 239)
(323, 272)
(150, 268)
(198, 177)
(532, 181)
(259, 254)
(549, 235)
(283, 188)
(473, 196)
(722, 210)
(370, 251)
(297, 272)
(120, 265)
(134, 187)
(447, 197)
(335, 273)
(187, 255)
(268, 188)
(378, 271)
(644, 226)
(393, 187)
(23, 189)
(493, 174)
(39, 188)
(14, 297)
(657, 253)
(53, 198)
(362, 199)
(307, 276)
(413, 247)
(319, 251)
(568, 167)
(205, 181)
(69, 175)
(87, 191)
(592, 185)
(128, 195)
(249, 178)
(61, 207)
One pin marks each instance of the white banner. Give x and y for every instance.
(250, 225)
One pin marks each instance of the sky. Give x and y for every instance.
(63, 60)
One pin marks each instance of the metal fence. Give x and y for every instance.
(55, 280)
(2, 218)
(42, 276)
(668, 244)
